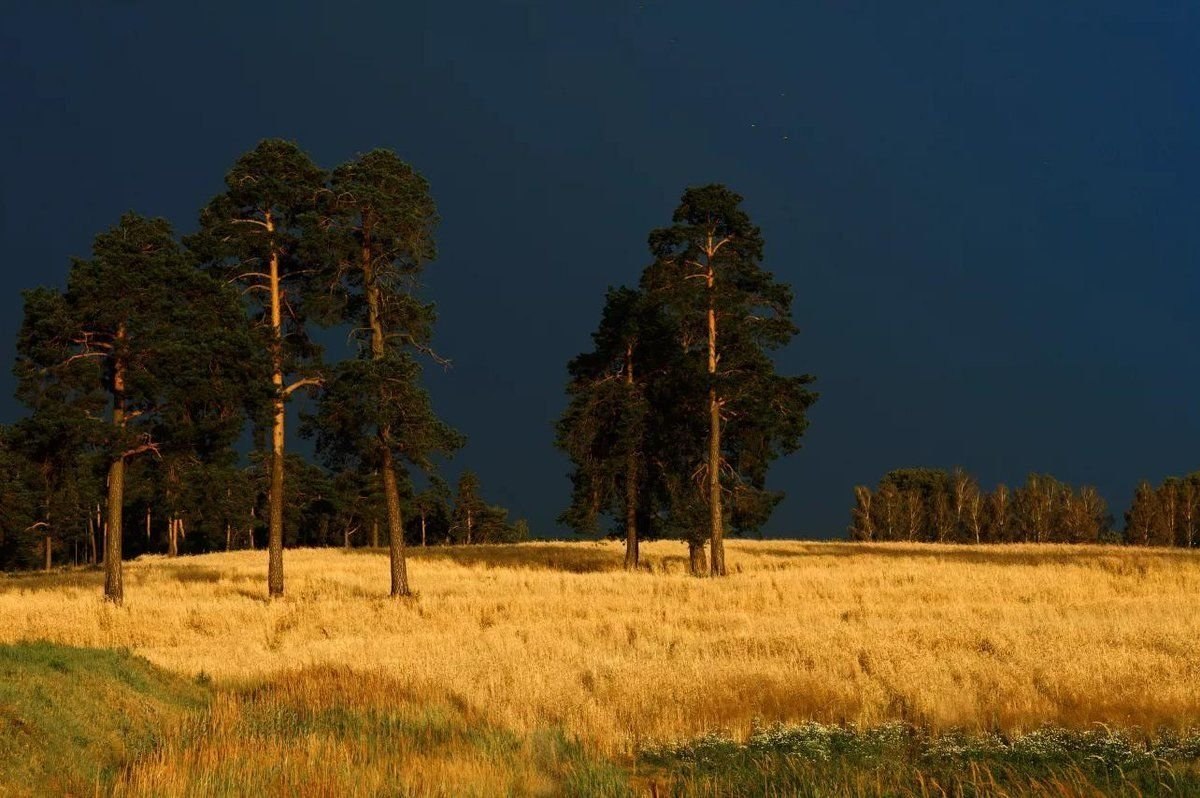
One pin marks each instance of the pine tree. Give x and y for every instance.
(136, 329)
(21, 503)
(731, 314)
(431, 505)
(258, 234)
(468, 508)
(604, 429)
(381, 220)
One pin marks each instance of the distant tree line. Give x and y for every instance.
(939, 506)
(1168, 515)
(142, 375)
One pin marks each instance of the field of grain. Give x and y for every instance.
(546, 635)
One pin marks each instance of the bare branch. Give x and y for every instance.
(82, 355)
(149, 446)
(259, 275)
(301, 383)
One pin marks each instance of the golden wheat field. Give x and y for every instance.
(555, 634)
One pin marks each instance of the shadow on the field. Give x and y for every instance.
(577, 558)
(82, 576)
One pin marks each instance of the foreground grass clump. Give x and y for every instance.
(813, 759)
(556, 635)
(338, 732)
(71, 718)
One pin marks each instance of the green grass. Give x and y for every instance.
(70, 718)
(818, 760)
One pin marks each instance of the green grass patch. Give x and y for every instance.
(71, 718)
(899, 760)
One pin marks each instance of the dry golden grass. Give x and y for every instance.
(554, 634)
(331, 732)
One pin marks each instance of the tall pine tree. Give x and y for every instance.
(258, 234)
(730, 314)
(604, 427)
(374, 409)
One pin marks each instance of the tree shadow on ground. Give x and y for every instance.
(91, 576)
(577, 558)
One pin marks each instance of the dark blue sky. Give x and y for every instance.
(988, 211)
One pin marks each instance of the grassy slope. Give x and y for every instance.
(77, 721)
(72, 717)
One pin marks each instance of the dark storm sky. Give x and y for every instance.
(989, 215)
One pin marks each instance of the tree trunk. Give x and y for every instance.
(697, 565)
(375, 534)
(49, 555)
(631, 482)
(275, 498)
(228, 537)
(275, 531)
(469, 525)
(173, 525)
(114, 587)
(103, 532)
(422, 530)
(716, 518)
(391, 490)
(395, 527)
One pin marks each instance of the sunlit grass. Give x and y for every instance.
(556, 635)
(338, 732)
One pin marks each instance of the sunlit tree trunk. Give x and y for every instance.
(716, 517)
(114, 588)
(391, 490)
(91, 538)
(631, 482)
(275, 498)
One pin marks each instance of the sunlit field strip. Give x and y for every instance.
(555, 634)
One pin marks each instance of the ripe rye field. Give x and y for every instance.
(542, 668)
